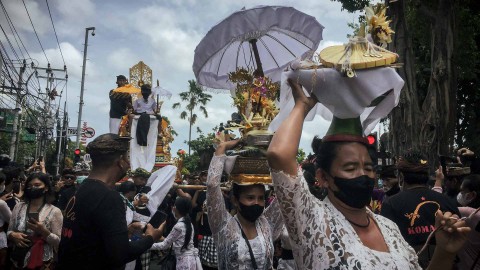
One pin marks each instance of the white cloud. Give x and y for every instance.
(161, 33)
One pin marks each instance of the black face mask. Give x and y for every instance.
(34, 193)
(354, 192)
(250, 212)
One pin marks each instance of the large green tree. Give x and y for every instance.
(194, 98)
(437, 43)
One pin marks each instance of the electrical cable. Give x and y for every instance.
(14, 29)
(55, 31)
(35, 31)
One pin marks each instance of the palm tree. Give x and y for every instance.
(195, 97)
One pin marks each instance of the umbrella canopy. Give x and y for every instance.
(266, 36)
(127, 89)
(161, 92)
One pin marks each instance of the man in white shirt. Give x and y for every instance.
(146, 104)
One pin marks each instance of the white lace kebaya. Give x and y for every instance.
(322, 238)
(231, 247)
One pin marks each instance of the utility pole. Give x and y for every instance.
(59, 138)
(80, 105)
(44, 128)
(17, 110)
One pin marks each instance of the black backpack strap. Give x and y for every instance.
(252, 257)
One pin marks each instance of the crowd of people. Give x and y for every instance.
(337, 210)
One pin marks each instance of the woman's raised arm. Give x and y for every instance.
(283, 149)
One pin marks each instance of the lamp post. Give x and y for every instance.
(80, 105)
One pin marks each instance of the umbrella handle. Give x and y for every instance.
(253, 42)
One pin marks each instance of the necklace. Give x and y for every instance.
(359, 225)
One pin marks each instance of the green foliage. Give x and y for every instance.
(353, 5)
(202, 143)
(194, 98)
(191, 163)
(202, 150)
(300, 155)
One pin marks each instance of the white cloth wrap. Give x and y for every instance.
(161, 182)
(114, 125)
(143, 156)
(342, 96)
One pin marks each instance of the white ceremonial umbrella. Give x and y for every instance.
(264, 38)
(161, 92)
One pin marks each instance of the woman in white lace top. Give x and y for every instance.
(259, 226)
(340, 232)
(35, 225)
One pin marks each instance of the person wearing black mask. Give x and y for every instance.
(340, 232)
(68, 189)
(94, 233)
(35, 226)
(244, 241)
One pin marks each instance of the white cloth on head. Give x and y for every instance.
(143, 156)
(115, 125)
(342, 96)
(161, 182)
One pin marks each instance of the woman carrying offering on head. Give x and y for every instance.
(244, 241)
(340, 232)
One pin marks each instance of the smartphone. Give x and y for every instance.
(33, 216)
(157, 219)
(16, 187)
(443, 163)
(40, 159)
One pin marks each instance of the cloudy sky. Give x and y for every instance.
(163, 34)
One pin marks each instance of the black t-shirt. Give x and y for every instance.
(65, 195)
(94, 233)
(118, 105)
(413, 210)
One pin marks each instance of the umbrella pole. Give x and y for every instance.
(259, 71)
(253, 42)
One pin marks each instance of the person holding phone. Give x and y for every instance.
(5, 215)
(35, 225)
(180, 239)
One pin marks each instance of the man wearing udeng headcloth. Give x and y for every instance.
(94, 234)
(119, 103)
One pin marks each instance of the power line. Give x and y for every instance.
(9, 42)
(10, 23)
(55, 31)
(35, 31)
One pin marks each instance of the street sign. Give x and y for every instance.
(72, 131)
(88, 132)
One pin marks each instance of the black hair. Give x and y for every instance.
(2, 177)
(412, 178)
(184, 207)
(45, 178)
(11, 172)
(127, 186)
(325, 153)
(238, 189)
(472, 183)
(68, 171)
